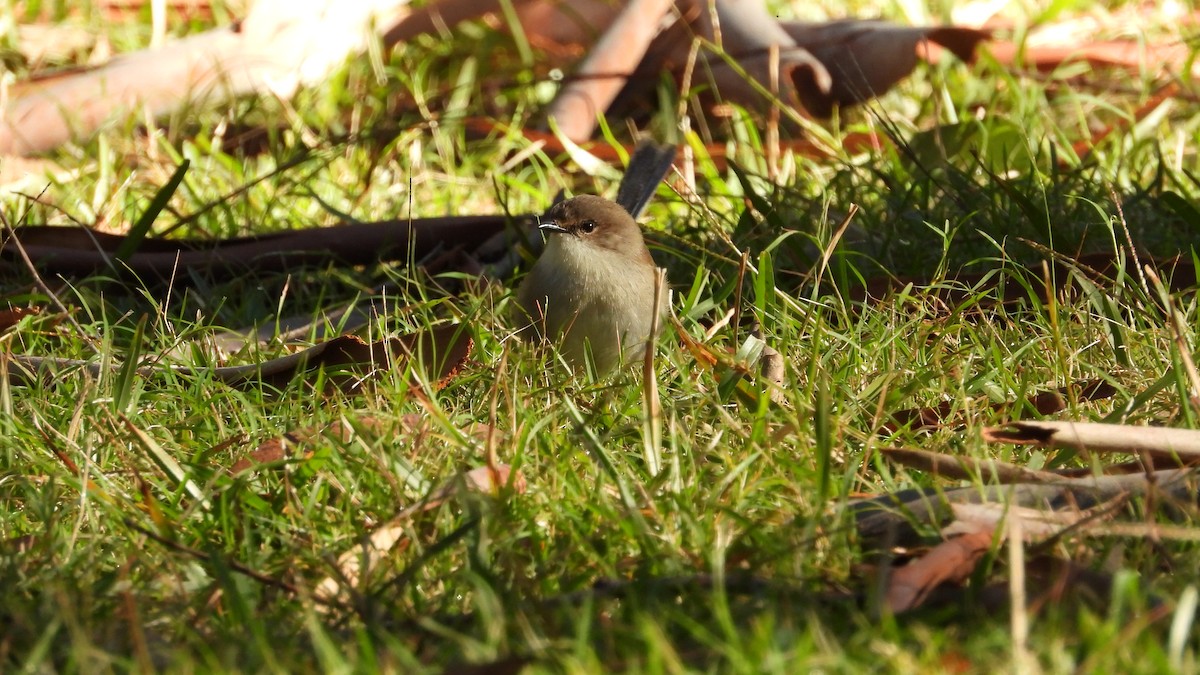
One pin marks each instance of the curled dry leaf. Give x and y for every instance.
(951, 561)
(284, 447)
(764, 52)
(704, 356)
(815, 66)
(771, 365)
(772, 368)
(976, 525)
(13, 315)
(809, 66)
(1036, 524)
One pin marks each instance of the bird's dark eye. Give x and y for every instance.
(587, 227)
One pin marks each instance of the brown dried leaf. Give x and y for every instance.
(1036, 524)
(13, 315)
(704, 356)
(952, 561)
(749, 33)
(889, 519)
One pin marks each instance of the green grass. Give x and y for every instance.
(736, 555)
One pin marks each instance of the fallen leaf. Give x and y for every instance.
(900, 518)
(952, 561)
(12, 316)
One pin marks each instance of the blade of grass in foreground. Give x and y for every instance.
(139, 230)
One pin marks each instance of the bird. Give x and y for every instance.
(592, 291)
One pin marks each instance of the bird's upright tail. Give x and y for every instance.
(648, 166)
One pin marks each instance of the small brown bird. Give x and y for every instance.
(593, 287)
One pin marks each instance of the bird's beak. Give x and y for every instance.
(551, 227)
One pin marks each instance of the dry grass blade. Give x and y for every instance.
(1158, 442)
(1037, 523)
(652, 406)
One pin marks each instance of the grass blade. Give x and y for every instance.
(139, 230)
